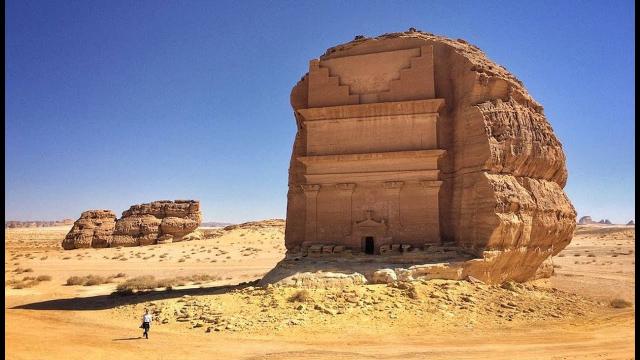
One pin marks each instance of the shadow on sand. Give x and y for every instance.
(103, 302)
(131, 338)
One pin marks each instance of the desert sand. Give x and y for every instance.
(226, 316)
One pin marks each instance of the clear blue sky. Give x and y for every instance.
(111, 103)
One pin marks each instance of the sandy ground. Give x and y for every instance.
(565, 317)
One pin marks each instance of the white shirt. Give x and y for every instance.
(146, 318)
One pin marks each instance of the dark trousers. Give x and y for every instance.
(145, 326)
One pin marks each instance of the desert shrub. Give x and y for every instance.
(619, 303)
(25, 284)
(300, 296)
(591, 255)
(149, 282)
(92, 280)
(144, 282)
(43, 278)
(66, 258)
(11, 282)
(27, 278)
(88, 280)
(120, 275)
(75, 280)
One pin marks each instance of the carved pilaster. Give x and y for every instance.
(392, 189)
(311, 197)
(345, 191)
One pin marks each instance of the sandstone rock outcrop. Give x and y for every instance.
(94, 229)
(412, 138)
(631, 222)
(144, 224)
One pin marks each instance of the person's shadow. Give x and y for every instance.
(131, 338)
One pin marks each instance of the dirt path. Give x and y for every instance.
(78, 335)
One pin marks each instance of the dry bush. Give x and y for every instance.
(92, 280)
(149, 282)
(75, 280)
(300, 296)
(620, 303)
(137, 283)
(591, 255)
(26, 284)
(44, 278)
(88, 280)
(120, 275)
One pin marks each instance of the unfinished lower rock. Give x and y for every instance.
(158, 222)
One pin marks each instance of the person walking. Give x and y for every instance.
(146, 323)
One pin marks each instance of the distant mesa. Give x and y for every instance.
(585, 220)
(631, 222)
(255, 225)
(158, 222)
(33, 224)
(215, 224)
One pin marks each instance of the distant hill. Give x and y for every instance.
(33, 224)
(215, 224)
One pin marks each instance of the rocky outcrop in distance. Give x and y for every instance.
(585, 220)
(11, 224)
(158, 222)
(631, 222)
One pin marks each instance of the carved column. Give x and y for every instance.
(430, 189)
(311, 197)
(392, 189)
(345, 192)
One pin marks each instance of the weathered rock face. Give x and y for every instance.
(146, 224)
(93, 229)
(631, 222)
(414, 138)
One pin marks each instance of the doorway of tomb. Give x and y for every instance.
(369, 247)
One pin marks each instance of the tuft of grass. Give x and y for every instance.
(620, 303)
(300, 296)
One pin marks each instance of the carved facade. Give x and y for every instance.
(371, 175)
(412, 139)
